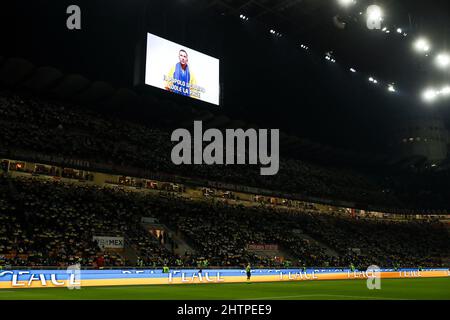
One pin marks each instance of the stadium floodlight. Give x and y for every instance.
(329, 57)
(353, 70)
(346, 3)
(371, 79)
(243, 17)
(429, 95)
(445, 91)
(443, 60)
(374, 17)
(275, 33)
(399, 30)
(422, 45)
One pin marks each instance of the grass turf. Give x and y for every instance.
(426, 288)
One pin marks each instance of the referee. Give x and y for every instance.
(249, 271)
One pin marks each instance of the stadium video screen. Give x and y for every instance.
(181, 70)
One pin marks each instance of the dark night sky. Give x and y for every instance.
(267, 81)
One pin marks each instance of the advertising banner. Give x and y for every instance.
(62, 278)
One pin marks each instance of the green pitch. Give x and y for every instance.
(427, 288)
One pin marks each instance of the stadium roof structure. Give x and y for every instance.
(325, 26)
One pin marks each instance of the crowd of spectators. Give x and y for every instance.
(53, 223)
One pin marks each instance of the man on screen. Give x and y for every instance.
(180, 80)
